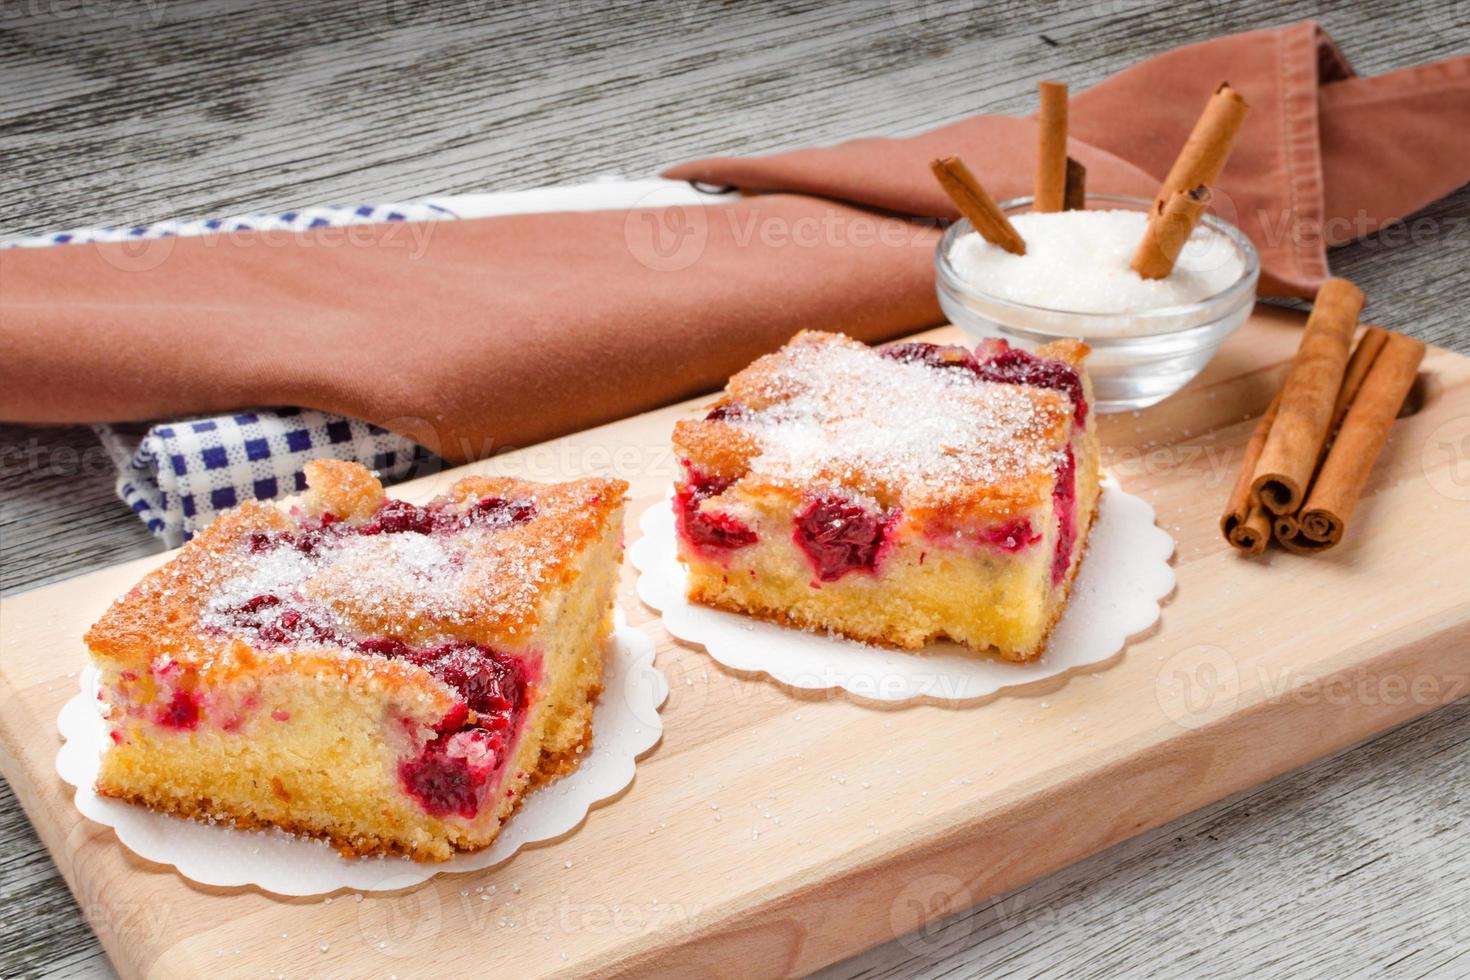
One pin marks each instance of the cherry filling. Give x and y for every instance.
(839, 536)
(1064, 499)
(933, 355)
(450, 776)
(1012, 536)
(453, 772)
(489, 682)
(307, 539)
(399, 517)
(402, 517)
(996, 360)
(728, 412)
(279, 627)
(181, 712)
(707, 533)
(1001, 362)
(492, 684)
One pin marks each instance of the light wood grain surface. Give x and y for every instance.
(129, 111)
(858, 822)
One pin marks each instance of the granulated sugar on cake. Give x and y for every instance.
(858, 418)
(419, 577)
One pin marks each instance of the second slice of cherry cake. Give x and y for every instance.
(387, 676)
(896, 495)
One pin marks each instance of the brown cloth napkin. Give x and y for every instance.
(493, 333)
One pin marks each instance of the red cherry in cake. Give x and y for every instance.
(311, 537)
(839, 536)
(449, 777)
(294, 626)
(933, 355)
(256, 603)
(708, 532)
(719, 531)
(1012, 536)
(1064, 500)
(490, 683)
(279, 626)
(1005, 364)
(501, 512)
(181, 712)
(401, 517)
(728, 412)
(388, 647)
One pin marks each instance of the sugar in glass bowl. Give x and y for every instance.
(1148, 338)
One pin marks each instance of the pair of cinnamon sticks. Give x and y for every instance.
(1311, 453)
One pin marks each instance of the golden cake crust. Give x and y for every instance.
(804, 416)
(508, 572)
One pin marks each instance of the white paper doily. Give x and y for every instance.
(625, 724)
(1124, 576)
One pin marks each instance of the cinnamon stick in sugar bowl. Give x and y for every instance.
(976, 204)
(1053, 166)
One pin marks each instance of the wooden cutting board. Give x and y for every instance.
(772, 831)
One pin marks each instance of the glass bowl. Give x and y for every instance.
(1137, 359)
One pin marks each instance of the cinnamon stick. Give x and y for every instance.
(1345, 471)
(1051, 153)
(1168, 231)
(1252, 534)
(1364, 352)
(1367, 350)
(1208, 146)
(1075, 196)
(1245, 524)
(1286, 531)
(1308, 397)
(974, 203)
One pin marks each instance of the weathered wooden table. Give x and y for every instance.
(114, 112)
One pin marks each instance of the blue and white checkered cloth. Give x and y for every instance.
(177, 476)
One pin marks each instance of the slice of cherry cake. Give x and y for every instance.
(387, 676)
(896, 495)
